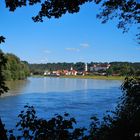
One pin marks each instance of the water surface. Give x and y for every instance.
(82, 98)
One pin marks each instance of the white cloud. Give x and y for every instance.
(47, 51)
(84, 45)
(73, 49)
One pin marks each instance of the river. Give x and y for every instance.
(82, 98)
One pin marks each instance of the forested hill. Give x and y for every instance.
(121, 68)
(15, 69)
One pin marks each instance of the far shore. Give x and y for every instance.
(95, 77)
(88, 77)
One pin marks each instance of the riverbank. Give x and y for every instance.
(95, 77)
(88, 77)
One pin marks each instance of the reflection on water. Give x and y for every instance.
(80, 97)
(16, 87)
(47, 84)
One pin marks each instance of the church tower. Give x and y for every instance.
(86, 67)
(71, 68)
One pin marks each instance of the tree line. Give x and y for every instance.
(40, 68)
(124, 68)
(15, 69)
(119, 68)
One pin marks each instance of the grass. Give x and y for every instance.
(95, 77)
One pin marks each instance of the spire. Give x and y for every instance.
(86, 67)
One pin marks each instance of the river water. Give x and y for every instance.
(81, 98)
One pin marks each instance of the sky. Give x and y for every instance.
(71, 38)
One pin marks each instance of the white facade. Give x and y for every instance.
(86, 67)
(99, 67)
(46, 73)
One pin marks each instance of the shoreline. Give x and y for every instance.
(96, 77)
(87, 77)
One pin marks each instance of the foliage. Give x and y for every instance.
(15, 69)
(10, 68)
(40, 68)
(124, 122)
(3, 135)
(124, 68)
(3, 87)
(57, 128)
(3, 62)
(79, 66)
(127, 12)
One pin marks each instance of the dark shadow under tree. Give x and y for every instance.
(3, 87)
(124, 122)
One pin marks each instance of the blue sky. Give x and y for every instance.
(72, 38)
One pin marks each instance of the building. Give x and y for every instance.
(98, 67)
(70, 72)
(73, 72)
(46, 73)
(86, 67)
(65, 72)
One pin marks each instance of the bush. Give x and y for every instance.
(57, 128)
(124, 122)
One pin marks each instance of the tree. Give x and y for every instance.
(3, 87)
(109, 71)
(15, 69)
(60, 127)
(124, 122)
(127, 11)
(3, 60)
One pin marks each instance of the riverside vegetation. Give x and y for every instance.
(15, 69)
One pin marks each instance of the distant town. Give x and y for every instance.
(80, 68)
(16, 69)
(95, 68)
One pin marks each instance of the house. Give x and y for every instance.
(56, 73)
(65, 72)
(69, 72)
(98, 67)
(73, 72)
(46, 73)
